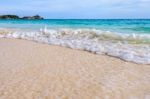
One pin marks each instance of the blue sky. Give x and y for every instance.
(78, 9)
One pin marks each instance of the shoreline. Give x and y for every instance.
(129, 47)
(105, 55)
(34, 70)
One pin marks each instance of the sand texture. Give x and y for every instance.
(30, 70)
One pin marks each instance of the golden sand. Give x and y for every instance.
(30, 70)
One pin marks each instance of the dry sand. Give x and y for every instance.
(30, 70)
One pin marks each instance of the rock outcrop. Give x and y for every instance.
(37, 17)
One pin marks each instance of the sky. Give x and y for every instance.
(78, 9)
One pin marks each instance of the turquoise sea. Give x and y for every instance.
(127, 39)
(114, 25)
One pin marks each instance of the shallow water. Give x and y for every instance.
(113, 25)
(125, 39)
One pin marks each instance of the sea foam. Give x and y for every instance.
(129, 47)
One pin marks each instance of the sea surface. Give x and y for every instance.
(127, 39)
(114, 25)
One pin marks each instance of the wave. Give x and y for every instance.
(129, 47)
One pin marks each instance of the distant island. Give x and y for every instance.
(36, 17)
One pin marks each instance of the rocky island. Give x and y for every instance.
(37, 17)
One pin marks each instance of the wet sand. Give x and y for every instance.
(30, 70)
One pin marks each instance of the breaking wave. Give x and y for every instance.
(129, 47)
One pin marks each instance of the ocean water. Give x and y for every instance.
(114, 25)
(122, 38)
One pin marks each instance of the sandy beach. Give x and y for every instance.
(30, 70)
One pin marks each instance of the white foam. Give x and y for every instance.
(95, 41)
